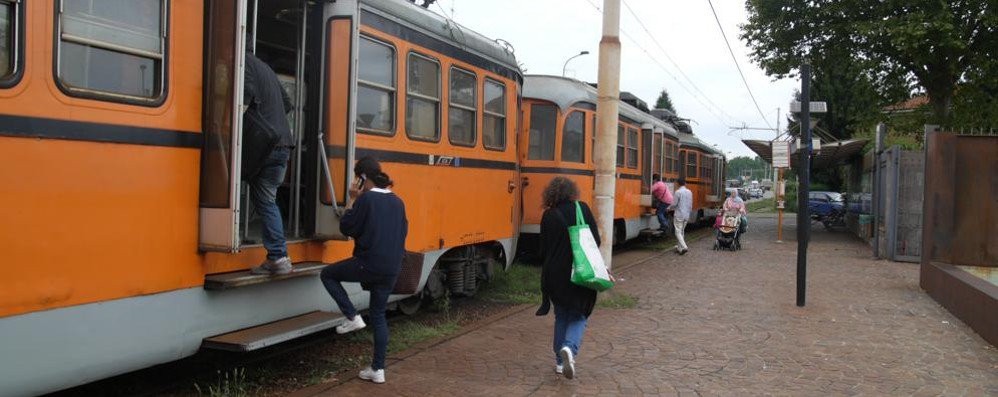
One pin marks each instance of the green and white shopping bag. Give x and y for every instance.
(588, 268)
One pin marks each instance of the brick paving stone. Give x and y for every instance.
(725, 324)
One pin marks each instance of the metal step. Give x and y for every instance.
(651, 233)
(261, 336)
(244, 278)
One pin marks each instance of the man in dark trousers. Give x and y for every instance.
(267, 106)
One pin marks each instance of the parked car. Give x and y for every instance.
(827, 207)
(756, 193)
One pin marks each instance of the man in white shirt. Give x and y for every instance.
(683, 205)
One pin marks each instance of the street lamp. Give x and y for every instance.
(563, 68)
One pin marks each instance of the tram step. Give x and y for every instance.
(244, 278)
(269, 334)
(651, 233)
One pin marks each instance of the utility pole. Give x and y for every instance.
(607, 109)
(803, 190)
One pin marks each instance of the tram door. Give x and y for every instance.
(277, 32)
(220, 185)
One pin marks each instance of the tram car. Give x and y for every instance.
(558, 139)
(127, 232)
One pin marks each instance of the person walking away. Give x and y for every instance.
(573, 304)
(661, 193)
(682, 206)
(267, 105)
(375, 218)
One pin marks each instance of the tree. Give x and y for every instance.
(912, 45)
(743, 165)
(664, 102)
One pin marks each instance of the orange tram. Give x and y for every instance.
(559, 125)
(129, 233)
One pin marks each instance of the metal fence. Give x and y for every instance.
(900, 176)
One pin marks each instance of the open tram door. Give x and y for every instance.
(220, 188)
(287, 35)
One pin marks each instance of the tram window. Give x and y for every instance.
(376, 88)
(691, 164)
(573, 139)
(422, 114)
(668, 157)
(494, 120)
(675, 159)
(113, 49)
(621, 152)
(632, 148)
(656, 155)
(543, 123)
(8, 38)
(462, 111)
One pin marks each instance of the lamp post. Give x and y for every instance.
(564, 68)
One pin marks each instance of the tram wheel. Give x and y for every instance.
(411, 305)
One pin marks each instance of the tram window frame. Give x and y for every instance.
(632, 148)
(621, 149)
(675, 159)
(392, 90)
(500, 117)
(160, 59)
(581, 134)
(657, 155)
(451, 106)
(15, 46)
(691, 163)
(537, 138)
(668, 157)
(414, 95)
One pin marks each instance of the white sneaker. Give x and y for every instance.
(372, 375)
(274, 267)
(351, 325)
(568, 362)
(559, 369)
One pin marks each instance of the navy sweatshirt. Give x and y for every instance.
(378, 225)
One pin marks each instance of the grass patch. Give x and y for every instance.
(520, 284)
(616, 300)
(228, 385)
(764, 205)
(405, 334)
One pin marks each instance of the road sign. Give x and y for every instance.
(781, 154)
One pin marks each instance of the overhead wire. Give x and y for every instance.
(733, 58)
(666, 70)
(673, 62)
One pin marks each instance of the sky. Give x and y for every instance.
(545, 33)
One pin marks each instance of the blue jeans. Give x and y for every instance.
(568, 329)
(663, 220)
(380, 287)
(263, 192)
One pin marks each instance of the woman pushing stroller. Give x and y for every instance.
(735, 205)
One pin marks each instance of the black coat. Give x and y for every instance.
(556, 252)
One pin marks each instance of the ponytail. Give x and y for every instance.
(382, 180)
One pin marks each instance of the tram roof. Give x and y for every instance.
(444, 29)
(567, 92)
(690, 140)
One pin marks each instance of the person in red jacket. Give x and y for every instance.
(661, 194)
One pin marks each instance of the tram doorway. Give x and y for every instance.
(280, 33)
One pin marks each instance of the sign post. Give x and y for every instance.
(781, 161)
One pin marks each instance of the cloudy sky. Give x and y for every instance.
(547, 32)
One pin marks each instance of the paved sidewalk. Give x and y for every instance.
(725, 323)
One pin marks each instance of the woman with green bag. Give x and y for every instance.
(572, 303)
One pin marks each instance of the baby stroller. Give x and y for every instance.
(728, 225)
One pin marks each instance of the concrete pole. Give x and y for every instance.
(607, 109)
